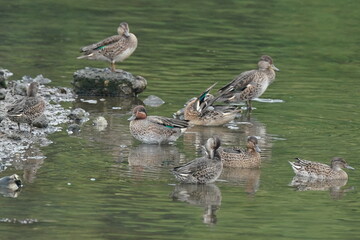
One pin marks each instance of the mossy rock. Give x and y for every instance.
(103, 82)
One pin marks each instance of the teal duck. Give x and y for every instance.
(27, 109)
(12, 182)
(112, 49)
(318, 170)
(155, 129)
(202, 111)
(250, 84)
(237, 157)
(202, 170)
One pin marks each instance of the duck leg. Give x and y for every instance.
(113, 67)
(248, 105)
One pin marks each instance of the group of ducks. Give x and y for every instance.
(198, 111)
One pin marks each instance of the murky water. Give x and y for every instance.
(106, 185)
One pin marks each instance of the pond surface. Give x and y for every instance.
(106, 185)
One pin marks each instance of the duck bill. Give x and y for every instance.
(132, 118)
(350, 167)
(274, 68)
(257, 149)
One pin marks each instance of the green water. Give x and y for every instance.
(106, 185)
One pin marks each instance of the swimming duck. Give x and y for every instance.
(318, 170)
(205, 169)
(201, 111)
(237, 157)
(112, 49)
(250, 84)
(12, 182)
(155, 129)
(27, 109)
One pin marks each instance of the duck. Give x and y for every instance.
(112, 49)
(155, 129)
(316, 170)
(28, 108)
(237, 157)
(203, 170)
(201, 111)
(12, 182)
(250, 84)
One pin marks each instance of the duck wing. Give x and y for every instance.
(168, 122)
(240, 82)
(102, 44)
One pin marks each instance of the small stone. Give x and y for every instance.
(100, 123)
(41, 122)
(2, 93)
(78, 115)
(73, 129)
(153, 101)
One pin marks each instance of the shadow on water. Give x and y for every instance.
(207, 196)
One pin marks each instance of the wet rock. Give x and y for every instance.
(103, 82)
(39, 78)
(2, 93)
(73, 128)
(100, 123)
(153, 101)
(78, 115)
(18, 88)
(41, 122)
(4, 74)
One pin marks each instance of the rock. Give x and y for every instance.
(19, 88)
(2, 93)
(73, 129)
(39, 78)
(78, 115)
(100, 123)
(103, 82)
(41, 122)
(4, 74)
(153, 101)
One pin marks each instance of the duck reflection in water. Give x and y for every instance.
(249, 179)
(315, 176)
(334, 186)
(147, 155)
(207, 196)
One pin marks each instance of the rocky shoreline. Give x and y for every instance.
(15, 144)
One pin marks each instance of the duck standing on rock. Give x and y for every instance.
(206, 169)
(155, 129)
(112, 49)
(250, 84)
(27, 109)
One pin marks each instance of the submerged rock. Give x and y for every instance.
(103, 82)
(153, 101)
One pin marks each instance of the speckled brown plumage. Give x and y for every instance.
(27, 109)
(250, 84)
(318, 170)
(155, 129)
(202, 170)
(237, 157)
(112, 49)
